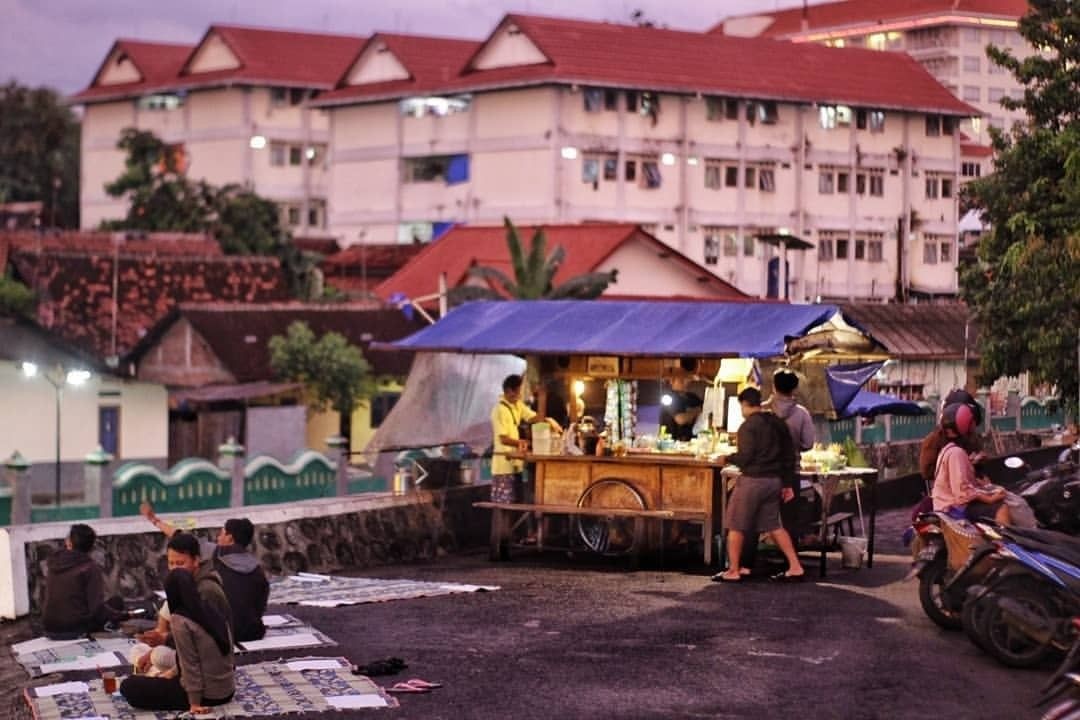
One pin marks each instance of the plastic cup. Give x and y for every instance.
(108, 681)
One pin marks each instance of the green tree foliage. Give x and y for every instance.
(39, 152)
(534, 273)
(15, 298)
(334, 373)
(162, 198)
(1025, 287)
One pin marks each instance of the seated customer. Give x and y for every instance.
(204, 654)
(243, 578)
(75, 602)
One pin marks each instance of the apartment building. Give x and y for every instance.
(233, 105)
(712, 143)
(948, 37)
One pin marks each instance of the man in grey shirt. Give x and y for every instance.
(801, 426)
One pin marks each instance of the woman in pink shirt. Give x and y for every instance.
(955, 485)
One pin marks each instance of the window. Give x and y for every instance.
(764, 111)
(767, 180)
(630, 171)
(750, 180)
(970, 169)
(860, 183)
(292, 215)
(164, 101)
(712, 244)
(971, 35)
(995, 94)
(826, 182)
(594, 100)
(933, 125)
(842, 248)
(315, 154)
(713, 175)
(316, 214)
(435, 105)
(930, 252)
(590, 170)
(731, 246)
(860, 248)
(611, 168)
(714, 108)
(611, 99)
(972, 93)
(997, 122)
(748, 245)
(946, 252)
(381, 405)
(998, 37)
(825, 247)
(109, 429)
(875, 247)
(931, 188)
(972, 63)
(731, 109)
(872, 119)
(278, 152)
(650, 105)
(948, 125)
(842, 182)
(731, 176)
(946, 187)
(876, 41)
(877, 184)
(993, 68)
(296, 155)
(650, 174)
(834, 116)
(414, 233)
(426, 169)
(280, 96)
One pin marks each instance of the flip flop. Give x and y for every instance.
(423, 684)
(785, 578)
(719, 577)
(402, 687)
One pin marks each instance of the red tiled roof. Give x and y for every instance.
(607, 54)
(155, 243)
(847, 13)
(278, 57)
(158, 63)
(971, 149)
(376, 256)
(76, 296)
(586, 245)
(238, 333)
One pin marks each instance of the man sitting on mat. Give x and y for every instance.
(75, 603)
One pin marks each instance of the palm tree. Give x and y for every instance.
(534, 273)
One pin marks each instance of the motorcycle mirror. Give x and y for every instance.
(1014, 463)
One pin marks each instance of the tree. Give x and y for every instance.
(1025, 286)
(334, 373)
(161, 197)
(534, 273)
(15, 298)
(39, 152)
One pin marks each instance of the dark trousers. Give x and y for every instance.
(112, 610)
(152, 693)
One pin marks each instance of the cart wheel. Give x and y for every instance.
(609, 536)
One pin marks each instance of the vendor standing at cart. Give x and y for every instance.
(507, 417)
(680, 409)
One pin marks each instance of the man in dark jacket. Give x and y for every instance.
(75, 602)
(765, 457)
(241, 575)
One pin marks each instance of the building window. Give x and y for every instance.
(842, 182)
(630, 171)
(998, 37)
(426, 169)
(930, 252)
(972, 63)
(826, 182)
(765, 111)
(650, 105)
(731, 176)
(767, 179)
(948, 125)
(842, 248)
(592, 165)
(997, 122)
(825, 248)
(713, 175)
(750, 177)
(714, 108)
(281, 96)
(834, 116)
(590, 171)
(748, 245)
(162, 101)
(278, 153)
(946, 187)
(860, 248)
(435, 105)
(972, 93)
(594, 100)
(316, 214)
(712, 245)
(995, 94)
(971, 35)
(933, 125)
(731, 245)
(731, 109)
(292, 215)
(931, 188)
(296, 155)
(611, 168)
(992, 68)
(381, 405)
(875, 247)
(611, 100)
(315, 154)
(970, 169)
(946, 252)
(650, 174)
(877, 184)
(874, 120)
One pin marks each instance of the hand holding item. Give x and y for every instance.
(523, 446)
(787, 495)
(153, 638)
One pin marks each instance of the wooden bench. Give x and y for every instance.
(502, 517)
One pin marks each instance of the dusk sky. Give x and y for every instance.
(61, 42)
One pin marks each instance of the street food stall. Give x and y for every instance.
(627, 362)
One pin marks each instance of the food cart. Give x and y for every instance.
(631, 498)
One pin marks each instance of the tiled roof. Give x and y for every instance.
(607, 54)
(925, 331)
(971, 149)
(278, 57)
(156, 243)
(586, 245)
(76, 296)
(238, 333)
(834, 15)
(358, 268)
(158, 63)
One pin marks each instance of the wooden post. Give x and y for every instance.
(18, 477)
(231, 458)
(97, 484)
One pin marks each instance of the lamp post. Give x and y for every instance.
(57, 380)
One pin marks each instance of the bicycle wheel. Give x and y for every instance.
(609, 536)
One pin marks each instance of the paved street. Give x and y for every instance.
(572, 639)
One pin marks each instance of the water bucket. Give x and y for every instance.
(852, 550)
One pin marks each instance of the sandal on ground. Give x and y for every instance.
(423, 684)
(723, 578)
(783, 577)
(402, 687)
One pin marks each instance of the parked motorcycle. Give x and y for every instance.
(1021, 613)
(1063, 687)
(950, 555)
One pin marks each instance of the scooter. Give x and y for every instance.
(950, 555)
(1063, 687)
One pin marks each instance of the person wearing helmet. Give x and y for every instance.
(936, 439)
(955, 488)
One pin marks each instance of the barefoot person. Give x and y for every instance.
(764, 457)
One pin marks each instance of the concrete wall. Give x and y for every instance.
(322, 536)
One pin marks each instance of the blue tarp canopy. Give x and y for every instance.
(618, 327)
(845, 387)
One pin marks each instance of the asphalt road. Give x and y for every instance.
(570, 638)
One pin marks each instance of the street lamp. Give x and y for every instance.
(71, 377)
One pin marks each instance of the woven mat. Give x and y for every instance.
(331, 591)
(304, 685)
(42, 656)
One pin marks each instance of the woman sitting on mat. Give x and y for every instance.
(204, 651)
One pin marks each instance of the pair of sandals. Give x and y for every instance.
(781, 577)
(416, 685)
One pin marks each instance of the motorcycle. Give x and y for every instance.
(1021, 612)
(1063, 687)
(950, 555)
